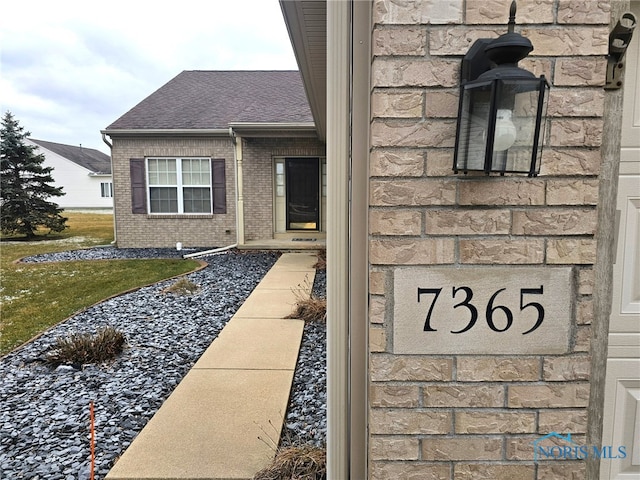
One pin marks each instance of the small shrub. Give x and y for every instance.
(306, 462)
(83, 348)
(184, 286)
(321, 264)
(309, 308)
(312, 309)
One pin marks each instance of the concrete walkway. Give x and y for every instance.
(235, 395)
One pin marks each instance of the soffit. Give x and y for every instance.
(306, 22)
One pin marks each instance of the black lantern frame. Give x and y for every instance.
(502, 110)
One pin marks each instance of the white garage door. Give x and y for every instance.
(622, 398)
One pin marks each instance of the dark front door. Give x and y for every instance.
(303, 193)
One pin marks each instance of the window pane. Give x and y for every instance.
(162, 171)
(474, 123)
(197, 200)
(163, 199)
(106, 189)
(324, 177)
(196, 171)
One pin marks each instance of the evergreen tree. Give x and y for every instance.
(25, 185)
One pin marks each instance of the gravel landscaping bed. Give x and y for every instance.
(110, 253)
(44, 412)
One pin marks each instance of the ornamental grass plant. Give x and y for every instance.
(306, 462)
(308, 307)
(85, 348)
(182, 287)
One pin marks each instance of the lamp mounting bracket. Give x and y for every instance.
(476, 61)
(619, 40)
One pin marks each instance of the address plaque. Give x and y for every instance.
(482, 310)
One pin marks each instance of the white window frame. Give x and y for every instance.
(179, 185)
(106, 188)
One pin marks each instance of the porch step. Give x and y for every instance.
(222, 419)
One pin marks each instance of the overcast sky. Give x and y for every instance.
(70, 68)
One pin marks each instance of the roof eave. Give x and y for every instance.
(302, 17)
(160, 132)
(247, 129)
(261, 129)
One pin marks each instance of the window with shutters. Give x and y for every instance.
(187, 186)
(179, 185)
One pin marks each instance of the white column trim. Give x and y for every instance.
(338, 63)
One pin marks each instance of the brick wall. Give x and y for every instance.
(141, 230)
(258, 154)
(476, 416)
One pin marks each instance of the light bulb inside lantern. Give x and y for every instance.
(505, 135)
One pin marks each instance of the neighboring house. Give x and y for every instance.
(83, 173)
(218, 158)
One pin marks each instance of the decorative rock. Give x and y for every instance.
(44, 413)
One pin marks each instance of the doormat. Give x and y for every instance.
(304, 239)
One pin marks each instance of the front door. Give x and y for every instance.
(622, 391)
(302, 193)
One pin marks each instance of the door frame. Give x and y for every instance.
(280, 194)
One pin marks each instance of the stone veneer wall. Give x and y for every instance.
(476, 416)
(258, 154)
(150, 231)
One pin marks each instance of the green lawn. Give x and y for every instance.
(33, 297)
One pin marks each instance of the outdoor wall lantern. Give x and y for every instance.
(502, 111)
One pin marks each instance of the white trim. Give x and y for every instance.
(167, 131)
(358, 236)
(307, 128)
(179, 186)
(273, 125)
(338, 68)
(238, 165)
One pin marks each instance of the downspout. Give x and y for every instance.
(210, 252)
(110, 145)
(237, 163)
(237, 157)
(104, 139)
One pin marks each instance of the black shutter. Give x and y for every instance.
(138, 186)
(219, 185)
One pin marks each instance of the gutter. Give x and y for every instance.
(104, 139)
(274, 129)
(288, 126)
(166, 132)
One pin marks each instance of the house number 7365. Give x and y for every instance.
(499, 317)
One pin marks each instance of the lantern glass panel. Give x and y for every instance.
(517, 126)
(475, 115)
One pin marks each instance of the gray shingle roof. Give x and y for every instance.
(197, 99)
(93, 160)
